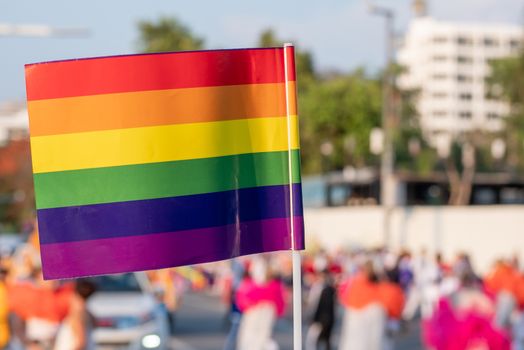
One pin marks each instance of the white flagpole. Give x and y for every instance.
(297, 273)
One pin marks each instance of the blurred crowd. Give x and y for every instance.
(374, 296)
(37, 314)
(364, 299)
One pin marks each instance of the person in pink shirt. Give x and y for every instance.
(464, 321)
(260, 297)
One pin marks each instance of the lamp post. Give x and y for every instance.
(387, 180)
(498, 149)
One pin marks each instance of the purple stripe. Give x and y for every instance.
(135, 218)
(162, 250)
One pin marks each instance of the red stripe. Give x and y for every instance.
(116, 74)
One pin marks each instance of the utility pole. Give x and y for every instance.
(387, 177)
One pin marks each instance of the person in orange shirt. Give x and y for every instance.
(503, 283)
(364, 324)
(503, 277)
(38, 307)
(360, 290)
(5, 333)
(519, 291)
(392, 298)
(75, 332)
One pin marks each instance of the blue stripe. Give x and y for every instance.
(78, 223)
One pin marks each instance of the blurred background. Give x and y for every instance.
(412, 145)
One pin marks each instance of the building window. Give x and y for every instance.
(439, 76)
(464, 78)
(514, 44)
(465, 115)
(492, 116)
(464, 59)
(439, 58)
(439, 114)
(490, 42)
(462, 40)
(440, 95)
(440, 39)
(465, 96)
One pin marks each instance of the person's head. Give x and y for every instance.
(423, 252)
(259, 270)
(36, 273)
(3, 273)
(84, 288)
(320, 262)
(325, 276)
(468, 280)
(499, 263)
(4, 268)
(369, 271)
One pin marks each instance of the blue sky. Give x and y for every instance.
(340, 33)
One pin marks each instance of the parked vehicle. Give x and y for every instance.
(127, 314)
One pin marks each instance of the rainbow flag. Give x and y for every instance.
(158, 160)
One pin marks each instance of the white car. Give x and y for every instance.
(127, 315)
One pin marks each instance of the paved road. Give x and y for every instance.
(200, 325)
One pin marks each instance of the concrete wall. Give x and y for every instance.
(486, 232)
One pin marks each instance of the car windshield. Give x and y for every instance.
(117, 283)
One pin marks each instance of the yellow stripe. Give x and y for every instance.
(160, 144)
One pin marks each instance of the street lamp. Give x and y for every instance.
(498, 149)
(387, 180)
(443, 145)
(376, 141)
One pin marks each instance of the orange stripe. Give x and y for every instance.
(157, 107)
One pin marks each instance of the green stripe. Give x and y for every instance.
(168, 179)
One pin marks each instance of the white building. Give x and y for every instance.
(448, 63)
(14, 122)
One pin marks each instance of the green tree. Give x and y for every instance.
(342, 110)
(304, 59)
(506, 82)
(412, 153)
(167, 34)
